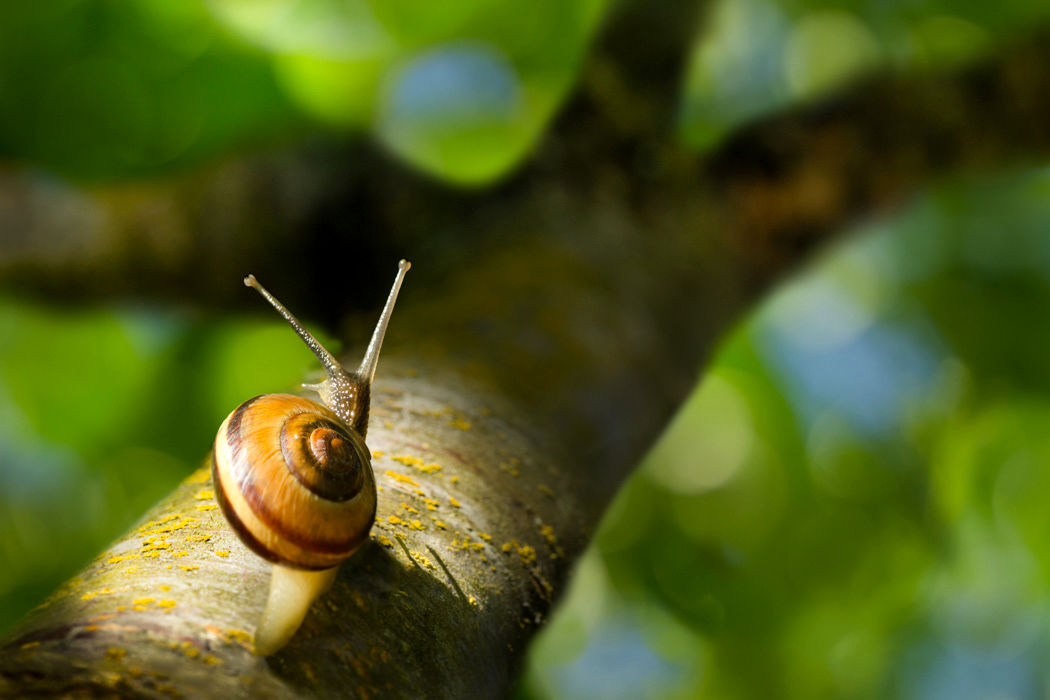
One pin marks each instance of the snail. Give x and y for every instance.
(293, 477)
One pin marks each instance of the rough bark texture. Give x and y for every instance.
(516, 392)
(171, 608)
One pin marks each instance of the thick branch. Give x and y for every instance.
(507, 410)
(535, 379)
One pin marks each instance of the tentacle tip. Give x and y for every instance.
(404, 265)
(250, 281)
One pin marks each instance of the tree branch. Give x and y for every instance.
(788, 181)
(633, 81)
(536, 380)
(183, 238)
(777, 184)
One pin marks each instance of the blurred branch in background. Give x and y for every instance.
(787, 181)
(780, 185)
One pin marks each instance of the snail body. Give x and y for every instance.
(293, 477)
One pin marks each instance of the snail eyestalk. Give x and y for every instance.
(367, 371)
(346, 393)
(331, 364)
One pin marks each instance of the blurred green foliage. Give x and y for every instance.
(101, 89)
(106, 89)
(761, 54)
(88, 397)
(853, 502)
(849, 506)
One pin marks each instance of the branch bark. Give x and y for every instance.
(515, 396)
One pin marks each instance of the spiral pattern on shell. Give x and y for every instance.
(294, 481)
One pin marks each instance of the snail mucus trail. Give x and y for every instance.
(294, 477)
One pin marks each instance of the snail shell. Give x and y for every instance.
(294, 481)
